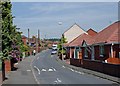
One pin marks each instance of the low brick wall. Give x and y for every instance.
(110, 69)
(93, 65)
(75, 62)
(7, 65)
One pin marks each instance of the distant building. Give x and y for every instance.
(24, 39)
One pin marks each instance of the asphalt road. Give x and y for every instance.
(47, 70)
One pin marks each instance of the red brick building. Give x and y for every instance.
(100, 52)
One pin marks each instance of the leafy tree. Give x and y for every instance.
(12, 44)
(61, 49)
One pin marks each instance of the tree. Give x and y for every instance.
(61, 49)
(12, 41)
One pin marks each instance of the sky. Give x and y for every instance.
(46, 16)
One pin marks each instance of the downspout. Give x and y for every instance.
(112, 50)
(70, 52)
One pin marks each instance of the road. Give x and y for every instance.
(47, 70)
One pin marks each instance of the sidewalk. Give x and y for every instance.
(23, 75)
(87, 71)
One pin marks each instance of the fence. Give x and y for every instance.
(106, 68)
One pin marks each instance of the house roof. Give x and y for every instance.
(109, 34)
(75, 24)
(73, 32)
(92, 32)
(79, 40)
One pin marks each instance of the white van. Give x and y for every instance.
(54, 49)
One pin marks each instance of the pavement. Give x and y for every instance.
(23, 75)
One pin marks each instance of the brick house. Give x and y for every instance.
(103, 53)
(106, 45)
(77, 42)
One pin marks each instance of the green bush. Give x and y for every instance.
(0, 65)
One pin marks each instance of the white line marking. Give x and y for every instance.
(43, 70)
(33, 71)
(81, 73)
(59, 80)
(53, 68)
(37, 69)
(29, 70)
(72, 70)
(63, 66)
(50, 70)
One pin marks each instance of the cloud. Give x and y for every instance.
(45, 16)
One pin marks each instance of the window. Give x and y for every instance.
(86, 53)
(101, 50)
(76, 51)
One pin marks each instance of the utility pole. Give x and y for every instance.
(38, 39)
(28, 36)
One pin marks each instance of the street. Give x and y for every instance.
(47, 70)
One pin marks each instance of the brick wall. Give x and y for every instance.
(75, 62)
(111, 69)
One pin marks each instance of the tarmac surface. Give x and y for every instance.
(27, 74)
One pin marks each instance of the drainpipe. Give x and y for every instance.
(74, 52)
(70, 53)
(112, 50)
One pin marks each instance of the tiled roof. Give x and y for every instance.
(109, 34)
(78, 41)
(92, 32)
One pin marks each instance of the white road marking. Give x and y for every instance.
(72, 70)
(50, 70)
(59, 80)
(53, 68)
(63, 66)
(29, 70)
(43, 70)
(37, 69)
(81, 73)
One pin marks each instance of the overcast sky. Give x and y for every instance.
(45, 16)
